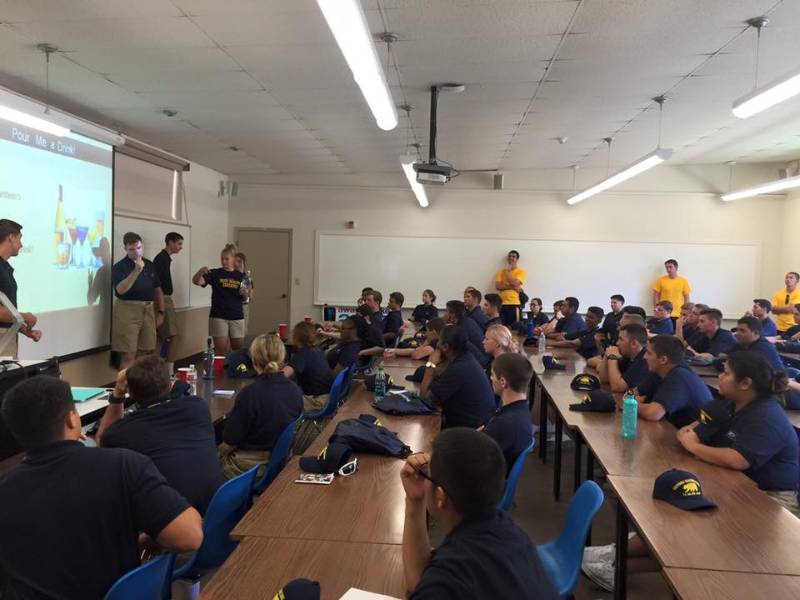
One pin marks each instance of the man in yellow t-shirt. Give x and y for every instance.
(671, 287)
(784, 300)
(509, 282)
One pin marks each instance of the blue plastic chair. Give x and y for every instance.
(513, 477)
(225, 510)
(279, 456)
(333, 398)
(562, 557)
(151, 581)
(348, 383)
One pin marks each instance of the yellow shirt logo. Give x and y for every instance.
(705, 418)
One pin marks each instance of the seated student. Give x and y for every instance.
(535, 314)
(455, 380)
(510, 426)
(608, 331)
(661, 323)
(550, 326)
(309, 367)
(496, 341)
(393, 322)
(426, 311)
(686, 325)
(372, 300)
(492, 303)
(749, 338)
(371, 336)
(711, 340)
(758, 439)
(484, 554)
(345, 353)
(624, 366)
(455, 314)
(793, 333)
(363, 298)
(177, 434)
(628, 318)
(583, 341)
(262, 410)
(761, 309)
(472, 305)
(571, 322)
(672, 391)
(71, 515)
(426, 348)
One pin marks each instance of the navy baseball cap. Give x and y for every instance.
(681, 489)
(299, 589)
(551, 364)
(595, 401)
(585, 382)
(713, 417)
(329, 460)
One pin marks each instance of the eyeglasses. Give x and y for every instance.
(423, 471)
(349, 468)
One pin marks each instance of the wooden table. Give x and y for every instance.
(696, 584)
(259, 567)
(219, 405)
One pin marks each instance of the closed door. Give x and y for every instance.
(268, 254)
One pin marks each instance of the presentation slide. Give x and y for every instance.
(60, 190)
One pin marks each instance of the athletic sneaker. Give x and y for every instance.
(600, 573)
(594, 554)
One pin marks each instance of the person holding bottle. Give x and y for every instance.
(10, 245)
(246, 289)
(226, 319)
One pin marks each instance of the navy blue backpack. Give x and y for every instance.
(366, 434)
(404, 403)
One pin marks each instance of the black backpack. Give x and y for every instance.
(366, 434)
(404, 403)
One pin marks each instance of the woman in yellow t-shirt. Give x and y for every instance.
(509, 282)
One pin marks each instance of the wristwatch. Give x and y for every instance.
(112, 399)
(613, 357)
(430, 365)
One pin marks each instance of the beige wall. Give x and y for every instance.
(678, 204)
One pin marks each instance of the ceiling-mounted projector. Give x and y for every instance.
(433, 173)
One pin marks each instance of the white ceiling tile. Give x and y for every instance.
(17, 11)
(183, 81)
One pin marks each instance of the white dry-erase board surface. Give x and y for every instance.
(153, 232)
(589, 270)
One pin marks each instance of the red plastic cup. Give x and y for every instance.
(183, 373)
(219, 364)
(283, 331)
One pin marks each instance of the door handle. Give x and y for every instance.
(283, 295)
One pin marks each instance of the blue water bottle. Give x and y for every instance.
(380, 384)
(530, 326)
(630, 413)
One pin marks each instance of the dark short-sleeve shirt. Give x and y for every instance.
(378, 321)
(571, 324)
(790, 332)
(226, 299)
(485, 558)
(682, 394)
(494, 321)
(689, 331)
(722, 342)
(661, 326)
(588, 347)
(424, 312)
(611, 325)
(161, 263)
(178, 436)
(473, 332)
(768, 327)
(465, 393)
(372, 338)
(635, 371)
(344, 354)
(262, 411)
(762, 434)
(143, 289)
(765, 349)
(511, 428)
(8, 285)
(393, 322)
(71, 516)
(311, 371)
(477, 315)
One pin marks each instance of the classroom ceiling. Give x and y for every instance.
(265, 77)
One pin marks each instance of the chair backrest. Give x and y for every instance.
(334, 397)
(348, 383)
(226, 509)
(513, 477)
(280, 455)
(151, 581)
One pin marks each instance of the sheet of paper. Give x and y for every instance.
(224, 392)
(356, 594)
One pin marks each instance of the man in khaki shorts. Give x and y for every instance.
(139, 307)
(10, 245)
(168, 332)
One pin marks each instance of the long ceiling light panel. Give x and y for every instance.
(21, 118)
(767, 188)
(348, 24)
(419, 190)
(767, 96)
(648, 161)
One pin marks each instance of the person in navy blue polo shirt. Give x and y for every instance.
(711, 340)
(372, 300)
(661, 323)
(749, 337)
(757, 439)
(393, 323)
(583, 341)
(455, 380)
(761, 309)
(510, 426)
(472, 304)
(71, 515)
(309, 367)
(426, 311)
(345, 353)
(624, 366)
(262, 410)
(491, 306)
(571, 322)
(484, 554)
(176, 433)
(672, 391)
(608, 331)
(455, 314)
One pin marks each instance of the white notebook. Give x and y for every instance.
(356, 594)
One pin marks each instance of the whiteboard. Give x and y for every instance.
(721, 275)
(153, 232)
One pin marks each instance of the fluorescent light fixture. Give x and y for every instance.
(349, 26)
(767, 188)
(767, 95)
(21, 118)
(648, 161)
(411, 175)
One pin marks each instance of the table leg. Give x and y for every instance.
(576, 471)
(621, 567)
(542, 422)
(557, 458)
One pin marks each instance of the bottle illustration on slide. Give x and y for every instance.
(60, 251)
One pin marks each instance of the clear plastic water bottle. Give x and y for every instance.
(380, 383)
(246, 284)
(530, 328)
(630, 412)
(208, 359)
(542, 343)
(191, 379)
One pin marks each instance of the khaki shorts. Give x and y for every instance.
(134, 326)
(787, 500)
(12, 347)
(314, 403)
(225, 328)
(240, 461)
(169, 328)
